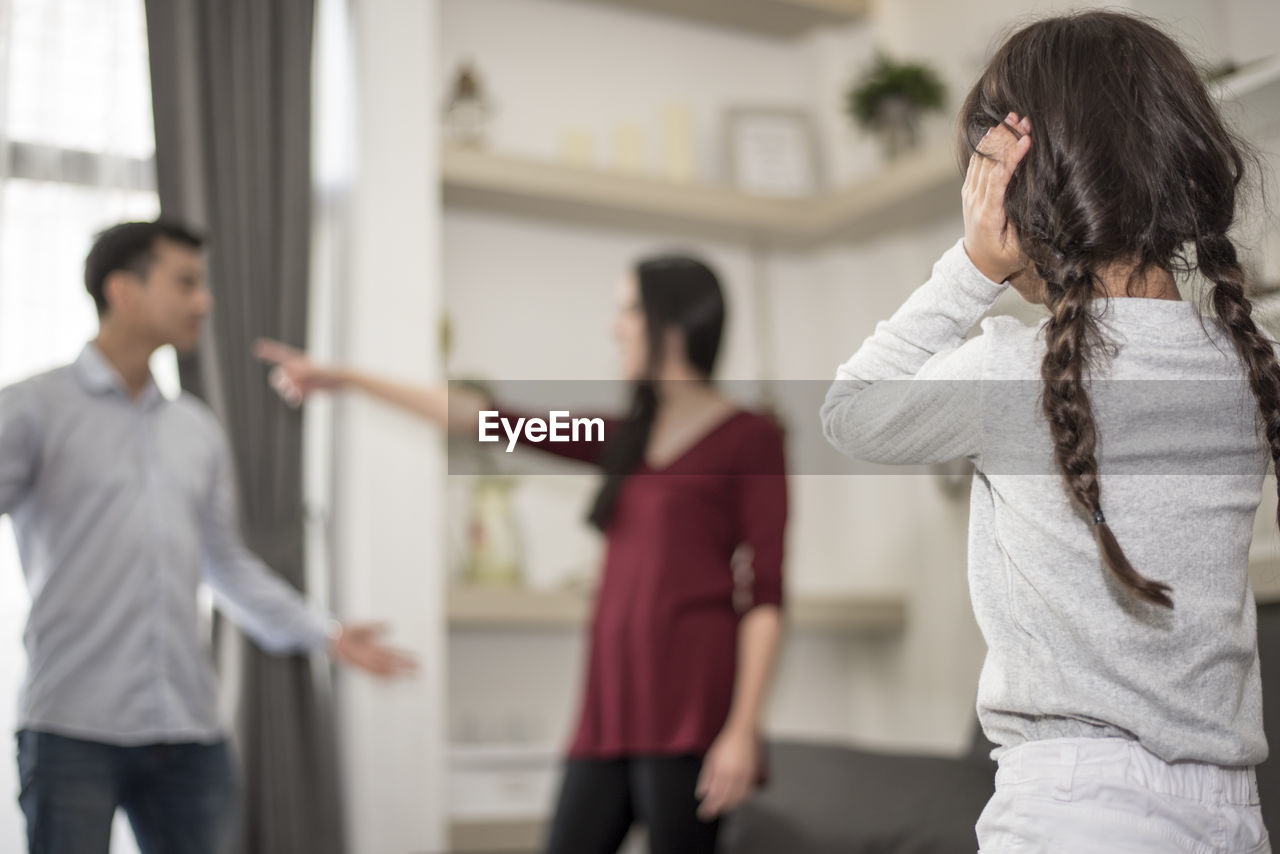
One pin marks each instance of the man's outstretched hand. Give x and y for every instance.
(359, 645)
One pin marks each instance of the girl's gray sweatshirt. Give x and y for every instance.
(1070, 652)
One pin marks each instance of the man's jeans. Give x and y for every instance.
(180, 798)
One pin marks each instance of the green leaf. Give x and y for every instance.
(917, 83)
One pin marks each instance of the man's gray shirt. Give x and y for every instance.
(121, 508)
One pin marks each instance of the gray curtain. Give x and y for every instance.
(231, 89)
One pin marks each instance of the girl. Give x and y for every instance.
(1110, 520)
(668, 729)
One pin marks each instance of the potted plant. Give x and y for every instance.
(889, 98)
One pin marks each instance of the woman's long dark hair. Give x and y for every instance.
(676, 292)
(1130, 164)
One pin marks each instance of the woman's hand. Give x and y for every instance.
(728, 772)
(991, 243)
(295, 377)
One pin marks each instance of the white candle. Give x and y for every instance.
(677, 143)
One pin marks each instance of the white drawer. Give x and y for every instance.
(494, 781)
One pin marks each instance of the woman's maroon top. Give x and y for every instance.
(664, 636)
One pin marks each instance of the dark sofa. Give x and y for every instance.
(828, 799)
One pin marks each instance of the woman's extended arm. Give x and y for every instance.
(296, 377)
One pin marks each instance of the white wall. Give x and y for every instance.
(389, 504)
(1250, 28)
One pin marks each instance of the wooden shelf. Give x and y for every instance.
(1250, 98)
(1256, 78)
(777, 18)
(498, 608)
(915, 189)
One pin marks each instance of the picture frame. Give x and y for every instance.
(772, 151)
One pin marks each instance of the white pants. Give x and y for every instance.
(1094, 795)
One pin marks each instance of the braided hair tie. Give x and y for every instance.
(1098, 518)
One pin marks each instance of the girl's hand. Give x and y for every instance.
(991, 243)
(728, 772)
(295, 377)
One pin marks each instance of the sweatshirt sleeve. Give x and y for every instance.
(911, 393)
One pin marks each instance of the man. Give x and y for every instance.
(122, 501)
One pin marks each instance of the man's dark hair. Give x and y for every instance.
(130, 246)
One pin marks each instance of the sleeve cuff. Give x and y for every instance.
(319, 632)
(956, 266)
(765, 593)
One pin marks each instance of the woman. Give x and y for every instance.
(668, 733)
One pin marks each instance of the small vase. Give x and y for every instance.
(468, 112)
(493, 554)
(896, 121)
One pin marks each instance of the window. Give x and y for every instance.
(76, 155)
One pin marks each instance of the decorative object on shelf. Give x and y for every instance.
(677, 144)
(889, 98)
(772, 151)
(492, 552)
(468, 112)
(578, 148)
(628, 149)
(493, 537)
